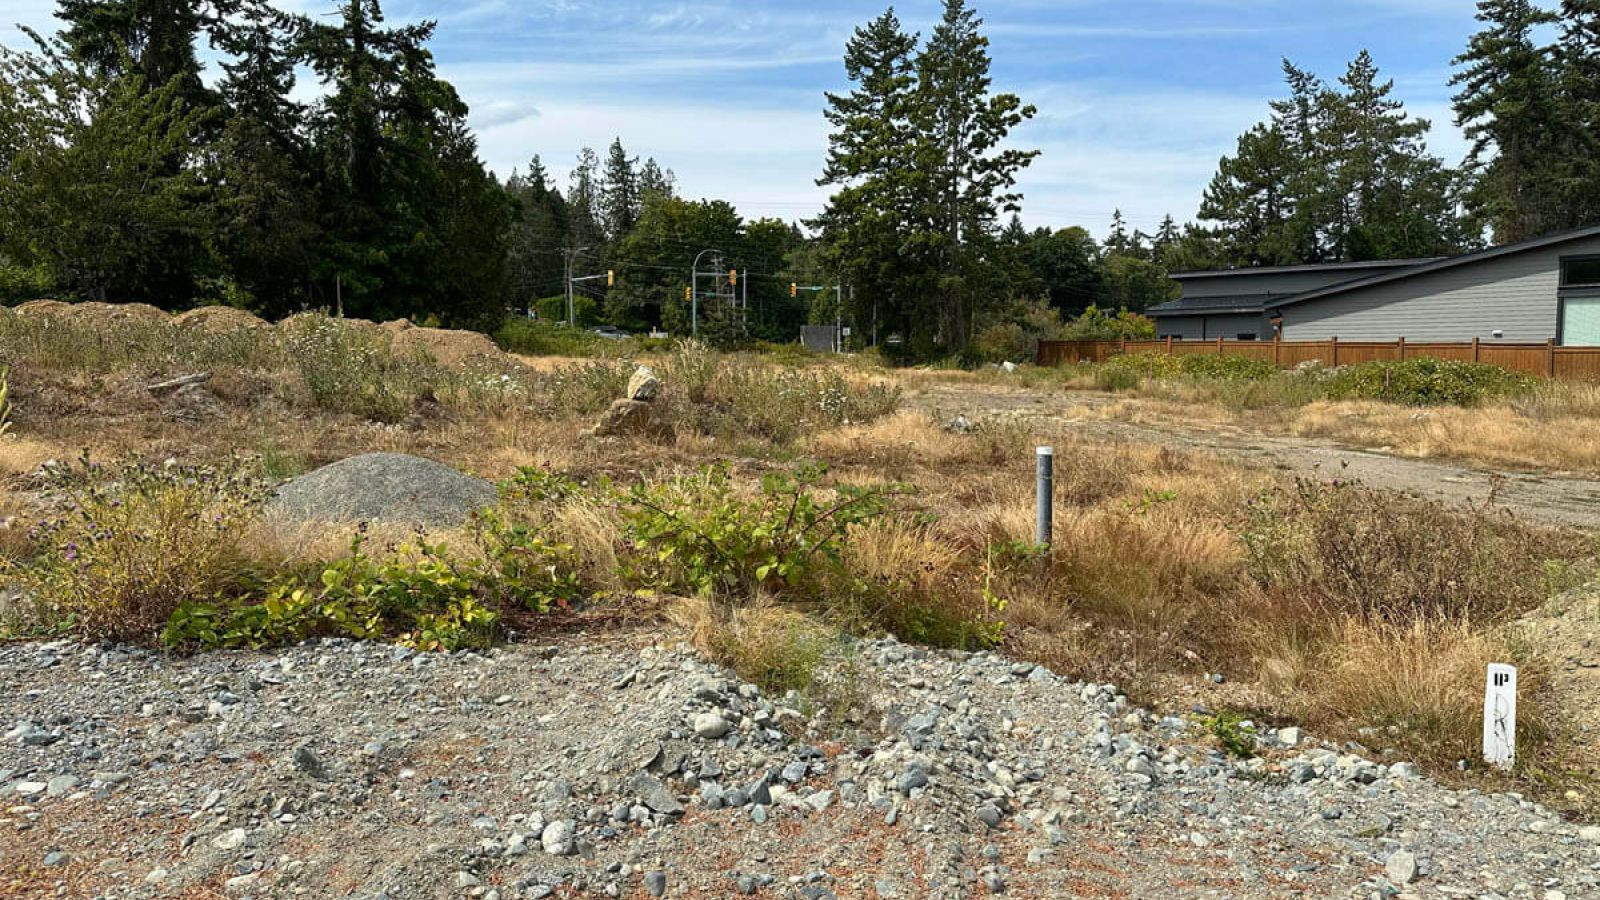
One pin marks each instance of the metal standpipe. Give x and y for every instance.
(1046, 494)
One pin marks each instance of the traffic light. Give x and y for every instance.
(688, 293)
(611, 278)
(733, 276)
(794, 289)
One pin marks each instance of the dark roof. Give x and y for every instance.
(1548, 240)
(1206, 306)
(1312, 267)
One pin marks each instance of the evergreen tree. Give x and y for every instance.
(1247, 198)
(1508, 107)
(655, 180)
(970, 178)
(537, 239)
(584, 201)
(1578, 56)
(155, 38)
(619, 191)
(870, 163)
(99, 182)
(1117, 241)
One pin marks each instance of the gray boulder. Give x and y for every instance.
(383, 487)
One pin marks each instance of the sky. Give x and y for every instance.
(1137, 99)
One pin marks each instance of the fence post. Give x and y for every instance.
(1219, 345)
(1401, 347)
(1476, 353)
(1550, 358)
(1169, 345)
(1333, 345)
(1277, 350)
(1046, 495)
(1123, 347)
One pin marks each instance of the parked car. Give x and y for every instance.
(611, 332)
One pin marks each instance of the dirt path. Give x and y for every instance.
(1562, 500)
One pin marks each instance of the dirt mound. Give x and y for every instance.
(96, 313)
(44, 308)
(219, 319)
(383, 487)
(448, 348)
(305, 319)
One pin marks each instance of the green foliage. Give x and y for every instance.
(784, 404)
(1232, 731)
(424, 596)
(1223, 367)
(1096, 324)
(542, 337)
(1339, 172)
(553, 310)
(702, 536)
(22, 283)
(918, 162)
(1425, 381)
(123, 548)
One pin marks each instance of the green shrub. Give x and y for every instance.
(538, 337)
(553, 311)
(425, 597)
(127, 547)
(696, 534)
(1232, 731)
(19, 284)
(1146, 365)
(783, 404)
(1227, 367)
(1425, 381)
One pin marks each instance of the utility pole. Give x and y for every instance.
(569, 254)
(694, 290)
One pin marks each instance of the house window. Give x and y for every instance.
(1580, 272)
(1247, 336)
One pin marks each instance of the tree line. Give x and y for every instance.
(127, 172)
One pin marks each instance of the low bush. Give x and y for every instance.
(698, 534)
(587, 387)
(1425, 381)
(537, 337)
(774, 647)
(424, 596)
(124, 548)
(1224, 367)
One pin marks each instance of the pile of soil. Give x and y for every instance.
(447, 347)
(95, 313)
(383, 487)
(219, 320)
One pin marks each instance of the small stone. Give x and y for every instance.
(239, 883)
(61, 785)
(914, 777)
(1590, 833)
(655, 882)
(1401, 867)
(1289, 737)
(711, 726)
(643, 385)
(307, 761)
(230, 840)
(557, 838)
(466, 880)
(656, 795)
(156, 876)
(994, 882)
(989, 815)
(56, 858)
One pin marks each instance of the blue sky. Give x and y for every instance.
(1137, 98)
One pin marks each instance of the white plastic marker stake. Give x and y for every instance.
(1500, 716)
(1046, 493)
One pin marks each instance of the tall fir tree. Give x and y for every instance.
(1509, 108)
(619, 192)
(585, 204)
(870, 164)
(971, 176)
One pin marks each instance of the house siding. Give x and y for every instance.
(1200, 328)
(1516, 294)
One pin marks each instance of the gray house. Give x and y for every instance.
(1528, 292)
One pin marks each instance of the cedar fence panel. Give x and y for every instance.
(1545, 360)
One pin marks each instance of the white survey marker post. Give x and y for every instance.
(1046, 493)
(1500, 716)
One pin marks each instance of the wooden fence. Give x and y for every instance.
(1546, 360)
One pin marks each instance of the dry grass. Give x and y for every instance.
(1552, 433)
(1151, 574)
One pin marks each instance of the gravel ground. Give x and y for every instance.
(341, 769)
